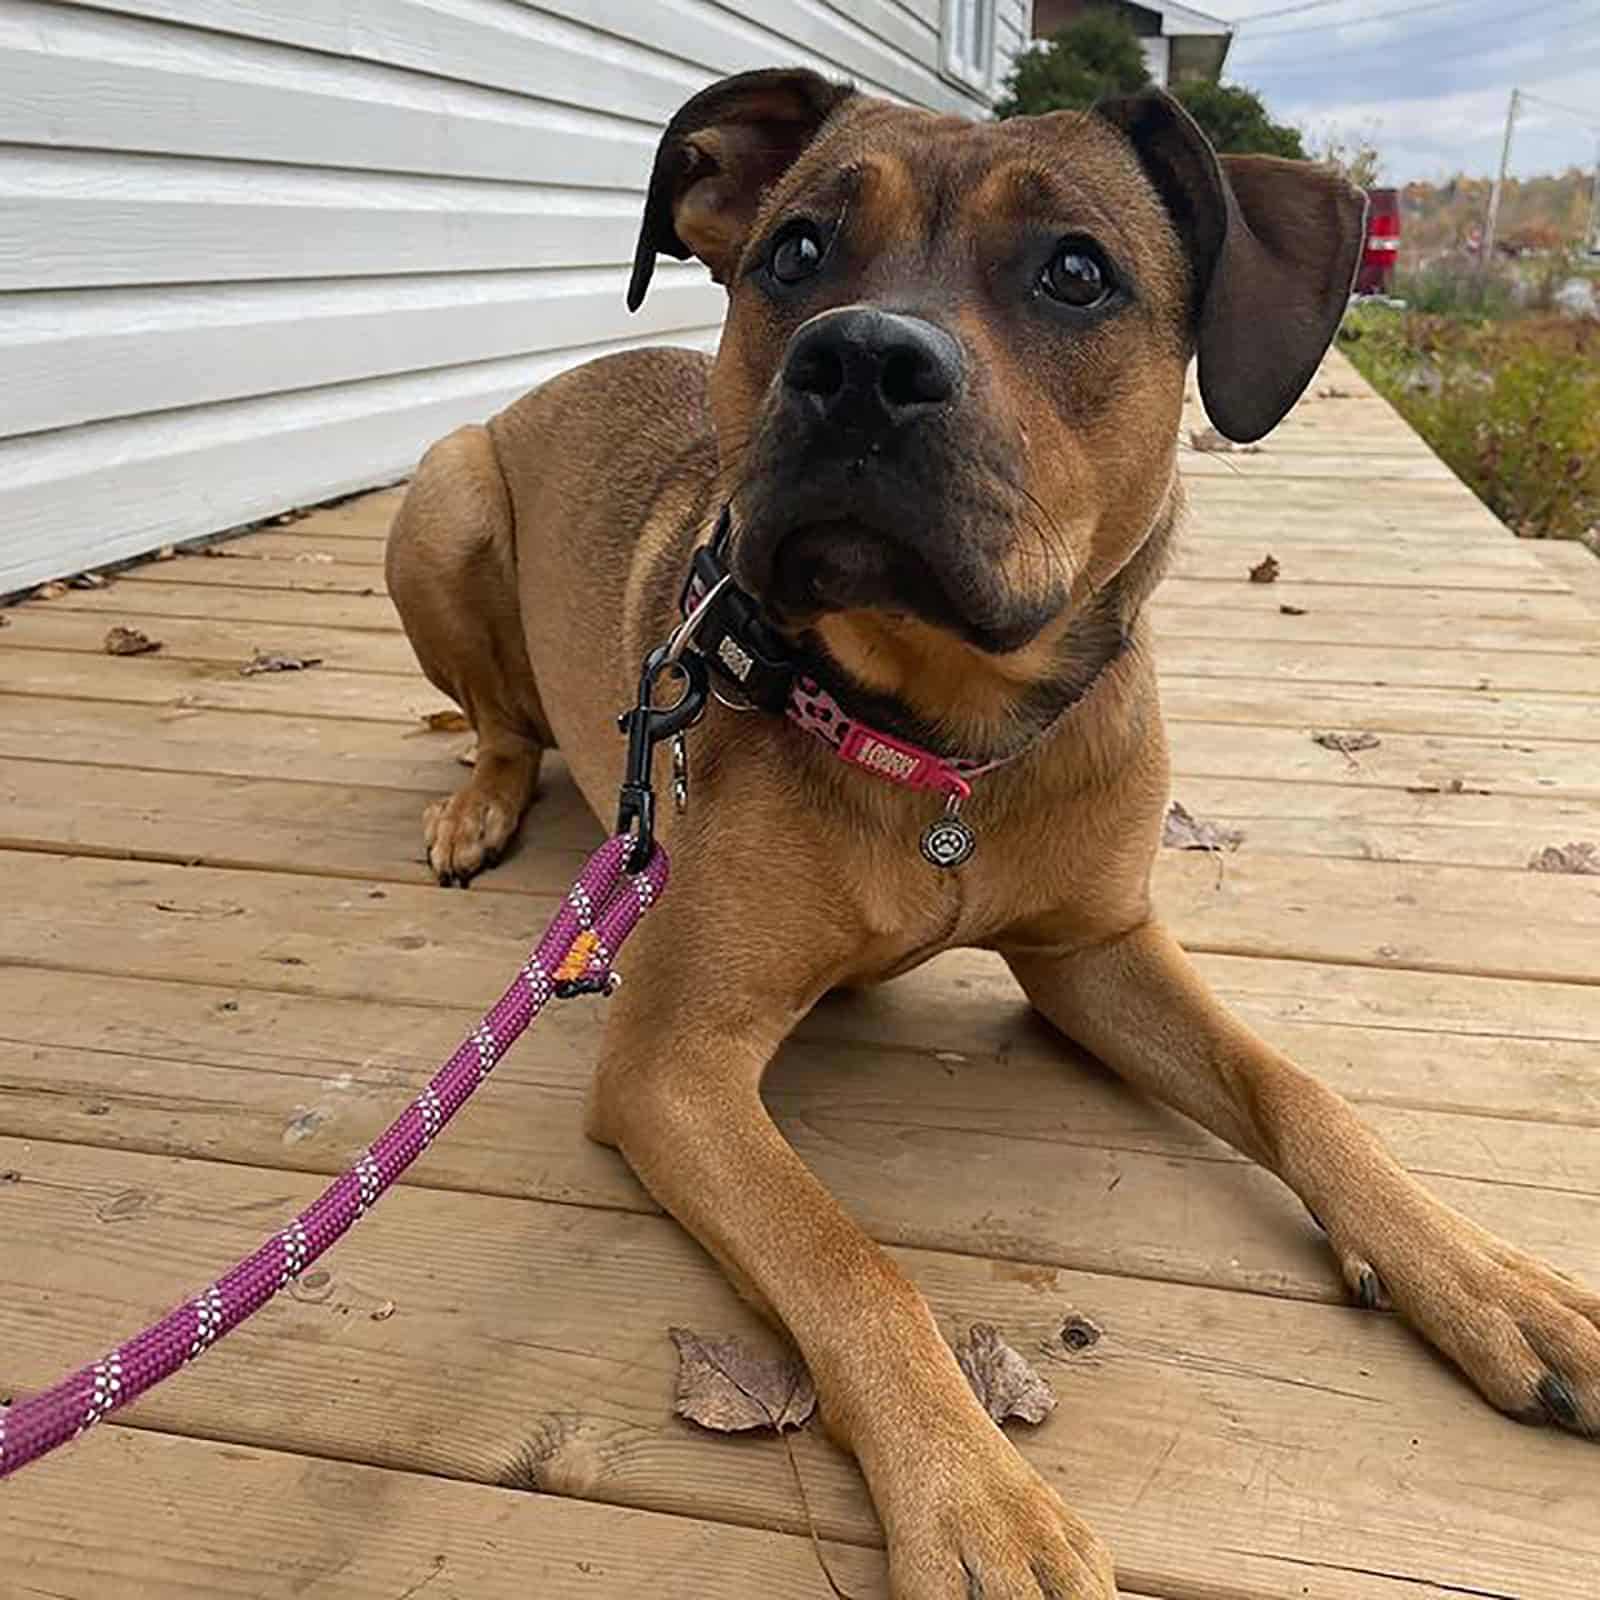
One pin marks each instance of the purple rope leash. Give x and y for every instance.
(599, 912)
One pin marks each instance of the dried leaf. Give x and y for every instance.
(122, 641)
(467, 756)
(1185, 831)
(50, 591)
(384, 1312)
(1582, 859)
(1208, 441)
(168, 552)
(1006, 1386)
(87, 580)
(1265, 570)
(1346, 743)
(451, 721)
(317, 557)
(731, 1384)
(1292, 611)
(1334, 393)
(266, 661)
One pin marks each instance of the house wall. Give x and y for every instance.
(254, 253)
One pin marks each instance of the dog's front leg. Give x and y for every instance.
(1526, 1336)
(678, 1092)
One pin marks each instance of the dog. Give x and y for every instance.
(937, 445)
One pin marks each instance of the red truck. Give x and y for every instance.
(1382, 244)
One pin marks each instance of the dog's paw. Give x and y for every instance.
(1527, 1336)
(466, 834)
(992, 1532)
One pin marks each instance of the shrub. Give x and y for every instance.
(1513, 408)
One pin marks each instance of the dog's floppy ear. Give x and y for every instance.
(1274, 245)
(727, 145)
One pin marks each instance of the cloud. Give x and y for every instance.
(1433, 86)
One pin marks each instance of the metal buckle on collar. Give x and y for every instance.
(729, 630)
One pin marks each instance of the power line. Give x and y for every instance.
(1357, 22)
(1283, 11)
(1556, 105)
(1473, 49)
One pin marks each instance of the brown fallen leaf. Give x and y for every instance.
(1581, 859)
(731, 1384)
(1006, 1386)
(1333, 393)
(168, 552)
(384, 1312)
(122, 641)
(1208, 441)
(451, 721)
(1184, 831)
(268, 661)
(1347, 743)
(1266, 570)
(50, 591)
(86, 580)
(1292, 611)
(467, 755)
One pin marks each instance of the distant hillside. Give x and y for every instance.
(1535, 213)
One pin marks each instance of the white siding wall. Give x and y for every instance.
(254, 253)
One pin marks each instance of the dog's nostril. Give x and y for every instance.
(911, 377)
(816, 369)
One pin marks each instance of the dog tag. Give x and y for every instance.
(680, 775)
(947, 841)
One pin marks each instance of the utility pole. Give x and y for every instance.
(1592, 243)
(1499, 185)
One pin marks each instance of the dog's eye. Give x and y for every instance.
(796, 253)
(1077, 275)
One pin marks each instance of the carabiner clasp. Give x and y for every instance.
(646, 725)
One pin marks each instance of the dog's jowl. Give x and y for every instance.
(930, 477)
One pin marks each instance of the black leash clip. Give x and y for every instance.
(646, 725)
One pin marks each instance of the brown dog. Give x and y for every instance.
(944, 418)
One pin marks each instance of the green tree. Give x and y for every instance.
(1097, 55)
(1236, 121)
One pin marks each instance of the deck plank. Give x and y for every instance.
(268, 824)
(140, 1516)
(529, 1338)
(1293, 657)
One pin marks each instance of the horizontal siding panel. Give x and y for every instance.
(69, 219)
(81, 356)
(78, 79)
(184, 474)
(494, 43)
(486, 41)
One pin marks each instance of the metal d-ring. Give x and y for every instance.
(683, 634)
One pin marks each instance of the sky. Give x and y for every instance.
(1430, 84)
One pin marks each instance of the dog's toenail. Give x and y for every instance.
(1558, 1401)
(1079, 1333)
(1369, 1289)
(974, 1582)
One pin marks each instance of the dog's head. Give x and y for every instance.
(949, 386)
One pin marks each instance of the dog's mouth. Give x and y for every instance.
(842, 565)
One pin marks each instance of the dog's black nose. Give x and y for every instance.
(864, 369)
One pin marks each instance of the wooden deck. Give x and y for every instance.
(224, 969)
